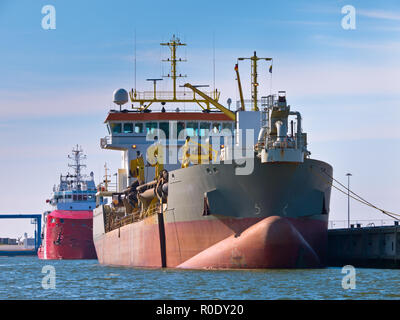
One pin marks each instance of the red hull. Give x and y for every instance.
(68, 235)
(272, 242)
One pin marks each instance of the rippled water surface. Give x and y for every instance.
(21, 278)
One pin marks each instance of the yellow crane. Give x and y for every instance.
(215, 103)
(240, 87)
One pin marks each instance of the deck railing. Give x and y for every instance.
(169, 95)
(340, 224)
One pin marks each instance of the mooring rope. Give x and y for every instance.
(357, 197)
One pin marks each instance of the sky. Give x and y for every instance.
(56, 85)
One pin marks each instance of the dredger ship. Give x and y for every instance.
(214, 188)
(68, 229)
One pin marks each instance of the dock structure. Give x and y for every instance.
(366, 247)
(14, 250)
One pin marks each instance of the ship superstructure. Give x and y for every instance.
(68, 228)
(211, 189)
(75, 191)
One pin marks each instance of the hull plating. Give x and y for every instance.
(274, 218)
(278, 243)
(68, 235)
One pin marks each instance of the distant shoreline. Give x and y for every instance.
(12, 247)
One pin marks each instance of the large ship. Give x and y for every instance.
(68, 229)
(214, 188)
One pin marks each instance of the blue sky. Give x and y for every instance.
(56, 85)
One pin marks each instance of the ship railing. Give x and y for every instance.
(342, 224)
(269, 101)
(128, 219)
(170, 109)
(169, 95)
(248, 104)
(287, 142)
(116, 221)
(105, 141)
(151, 210)
(264, 103)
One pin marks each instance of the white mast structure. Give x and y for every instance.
(77, 156)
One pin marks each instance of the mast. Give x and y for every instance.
(254, 83)
(145, 100)
(77, 156)
(106, 175)
(173, 44)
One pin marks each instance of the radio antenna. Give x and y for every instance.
(135, 60)
(214, 60)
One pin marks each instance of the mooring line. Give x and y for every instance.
(359, 198)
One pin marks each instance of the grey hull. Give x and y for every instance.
(273, 189)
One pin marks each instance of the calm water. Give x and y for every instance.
(21, 278)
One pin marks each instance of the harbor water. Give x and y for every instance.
(29, 278)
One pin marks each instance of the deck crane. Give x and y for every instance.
(240, 87)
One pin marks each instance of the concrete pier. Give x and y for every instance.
(368, 247)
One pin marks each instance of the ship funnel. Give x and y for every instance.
(120, 97)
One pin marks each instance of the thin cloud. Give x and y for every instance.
(384, 46)
(379, 14)
(48, 103)
(355, 134)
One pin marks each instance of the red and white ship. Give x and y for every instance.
(67, 232)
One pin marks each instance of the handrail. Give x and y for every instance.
(342, 224)
(285, 143)
(165, 95)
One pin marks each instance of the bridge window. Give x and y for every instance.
(216, 127)
(192, 129)
(204, 129)
(227, 125)
(150, 127)
(128, 127)
(180, 127)
(139, 127)
(164, 126)
(116, 127)
(84, 197)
